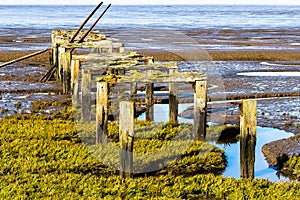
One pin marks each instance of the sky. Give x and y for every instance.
(116, 2)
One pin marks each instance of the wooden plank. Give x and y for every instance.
(98, 44)
(126, 135)
(75, 67)
(128, 65)
(101, 112)
(97, 58)
(181, 77)
(66, 63)
(86, 95)
(200, 106)
(247, 138)
(173, 99)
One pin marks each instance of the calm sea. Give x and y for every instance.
(23, 19)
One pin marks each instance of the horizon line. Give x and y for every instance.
(179, 4)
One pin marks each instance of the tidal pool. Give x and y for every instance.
(261, 167)
(232, 150)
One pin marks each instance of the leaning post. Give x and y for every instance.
(247, 138)
(126, 137)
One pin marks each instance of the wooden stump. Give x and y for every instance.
(247, 138)
(200, 106)
(126, 135)
(101, 112)
(86, 95)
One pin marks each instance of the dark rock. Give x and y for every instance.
(279, 151)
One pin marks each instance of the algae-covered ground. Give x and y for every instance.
(45, 159)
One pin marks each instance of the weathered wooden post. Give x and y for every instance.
(101, 111)
(200, 106)
(126, 136)
(66, 65)
(247, 138)
(54, 51)
(61, 57)
(86, 95)
(173, 99)
(75, 67)
(133, 89)
(149, 94)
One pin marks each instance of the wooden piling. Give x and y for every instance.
(149, 99)
(66, 65)
(133, 89)
(86, 95)
(200, 106)
(55, 58)
(75, 67)
(126, 136)
(149, 93)
(173, 99)
(101, 111)
(61, 57)
(247, 138)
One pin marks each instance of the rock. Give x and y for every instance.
(279, 151)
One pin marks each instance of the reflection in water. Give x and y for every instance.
(261, 167)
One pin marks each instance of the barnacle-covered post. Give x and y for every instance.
(126, 137)
(200, 107)
(247, 138)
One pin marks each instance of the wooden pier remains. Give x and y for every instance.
(91, 77)
(108, 70)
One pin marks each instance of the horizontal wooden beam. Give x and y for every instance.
(182, 77)
(133, 65)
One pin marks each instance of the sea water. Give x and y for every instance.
(22, 19)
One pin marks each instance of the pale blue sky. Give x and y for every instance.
(95, 2)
